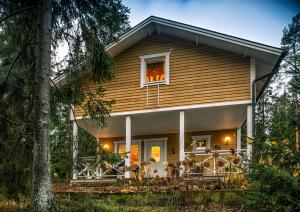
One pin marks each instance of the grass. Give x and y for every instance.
(134, 202)
(172, 201)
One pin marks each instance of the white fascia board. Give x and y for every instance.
(200, 31)
(220, 36)
(179, 108)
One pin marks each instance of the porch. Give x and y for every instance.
(195, 142)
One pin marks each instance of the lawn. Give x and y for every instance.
(217, 200)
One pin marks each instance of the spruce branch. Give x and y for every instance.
(16, 58)
(15, 13)
(69, 105)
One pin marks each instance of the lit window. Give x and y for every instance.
(134, 152)
(155, 69)
(155, 153)
(201, 142)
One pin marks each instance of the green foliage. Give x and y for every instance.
(291, 43)
(275, 112)
(174, 201)
(108, 156)
(87, 144)
(274, 177)
(274, 171)
(85, 27)
(15, 168)
(61, 162)
(16, 101)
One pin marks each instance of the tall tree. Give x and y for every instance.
(41, 200)
(291, 43)
(85, 27)
(17, 74)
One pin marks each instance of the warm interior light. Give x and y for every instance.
(155, 153)
(134, 152)
(106, 147)
(227, 140)
(155, 71)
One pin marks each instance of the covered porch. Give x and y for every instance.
(200, 141)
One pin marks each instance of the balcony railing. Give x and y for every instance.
(215, 162)
(92, 168)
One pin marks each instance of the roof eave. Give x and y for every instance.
(200, 31)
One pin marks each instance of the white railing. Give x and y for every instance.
(216, 162)
(91, 168)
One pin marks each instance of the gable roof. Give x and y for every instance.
(199, 35)
(266, 56)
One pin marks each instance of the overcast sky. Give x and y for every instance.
(257, 20)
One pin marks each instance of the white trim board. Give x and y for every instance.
(199, 106)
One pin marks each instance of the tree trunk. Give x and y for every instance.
(42, 195)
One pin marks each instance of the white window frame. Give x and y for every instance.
(144, 59)
(201, 137)
(136, 141)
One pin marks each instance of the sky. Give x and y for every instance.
(257, 20)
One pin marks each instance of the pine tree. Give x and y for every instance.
(291, 43)
(86, 27)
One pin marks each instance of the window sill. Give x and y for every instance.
(202, 150)
(155, 83)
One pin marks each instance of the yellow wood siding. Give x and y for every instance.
(217, 138)
(198, 74)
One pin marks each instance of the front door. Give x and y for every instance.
(156, 156)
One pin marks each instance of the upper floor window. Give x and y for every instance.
(155, 69)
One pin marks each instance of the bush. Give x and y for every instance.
(274, 178)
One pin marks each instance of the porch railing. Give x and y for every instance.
(216, 162)
(91, 168)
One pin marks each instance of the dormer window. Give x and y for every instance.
(155, 69)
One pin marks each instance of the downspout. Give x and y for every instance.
(269, 77)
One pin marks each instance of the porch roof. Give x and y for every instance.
(162, 122)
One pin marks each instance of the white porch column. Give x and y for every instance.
(128, 145)
(249, 130)
(238, 139)
(181, 136)
(250, 120)
(74, 148)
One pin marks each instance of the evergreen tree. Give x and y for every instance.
(274, 171)
(291, 43)
(86, 27)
